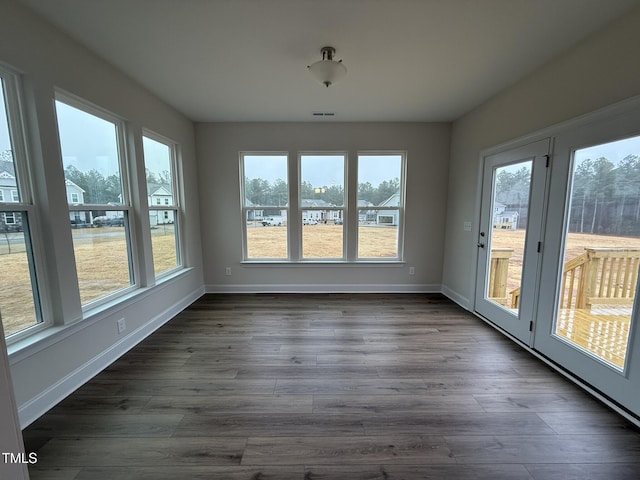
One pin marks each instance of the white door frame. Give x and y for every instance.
(622, 387)
(518, 325)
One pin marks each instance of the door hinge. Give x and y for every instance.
(531, 326)
(548, 157)
(539, 247)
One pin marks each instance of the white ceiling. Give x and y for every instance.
(407, 60)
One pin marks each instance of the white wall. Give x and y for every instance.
(599, 71)
(46, 371)
(218, 147)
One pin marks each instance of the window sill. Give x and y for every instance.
(323, 263)
(53, 334)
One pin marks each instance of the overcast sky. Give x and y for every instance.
(324, 170)
(614, 151)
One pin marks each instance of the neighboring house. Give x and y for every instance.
(366, 215)
(8, 194)
(503, 218)
(506, 220)
(160, 195)
(253, 215)
(75, 196)
(389, 217)
(318, 215)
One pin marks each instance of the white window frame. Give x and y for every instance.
(15, 197)
(350, 211)
(342, 209)
(126, 204)
(245, 208)
(25, 205)
(175, 207)
(380, 209)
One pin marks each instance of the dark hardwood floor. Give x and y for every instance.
(347, 387)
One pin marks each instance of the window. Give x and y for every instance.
(19, 299)
(322, 200)
(93, 153)
(265, 205)
(160, 167)
(75, 197)
(380, 205)
(318, 204)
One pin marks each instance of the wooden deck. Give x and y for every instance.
(330, 387)
(601, 331)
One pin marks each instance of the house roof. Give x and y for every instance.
(154, 189)
(392, 201)
(306, 202)
(406, 60)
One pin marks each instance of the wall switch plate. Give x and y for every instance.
(227, 271)
(467, 226)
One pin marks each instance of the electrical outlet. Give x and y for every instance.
(122, 325)
(227, 271)
(412, 270)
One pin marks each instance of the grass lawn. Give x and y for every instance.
(102, 260)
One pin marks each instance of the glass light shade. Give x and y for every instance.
(328, 72)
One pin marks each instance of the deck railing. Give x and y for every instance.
(599, 276)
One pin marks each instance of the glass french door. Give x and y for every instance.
(513, 188)
(588, 312)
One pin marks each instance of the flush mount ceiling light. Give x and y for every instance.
(328, 71)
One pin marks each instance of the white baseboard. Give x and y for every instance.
(456, 297)
(31, 410)
(325, 288)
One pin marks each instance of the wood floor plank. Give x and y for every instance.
(230, 404)
(353, 386)
(182, 387)
(418, 472)
(109, 425)
(208, 472)
(145, 452)
(526, 449)
(459, 423)
(345, 450)
(536, 402)
(330, 386)
(273, 424)
(588, 471)
(387, 404)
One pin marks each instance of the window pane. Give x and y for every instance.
(19, 301)
(158, 160)
(163, 241)
(102, 252)
(321, 188)
(8, 178)
(601, 251)
(18, 297)
(322, 235)
(90, 157)
(379, 184)
(91, 160)
(266, 186)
